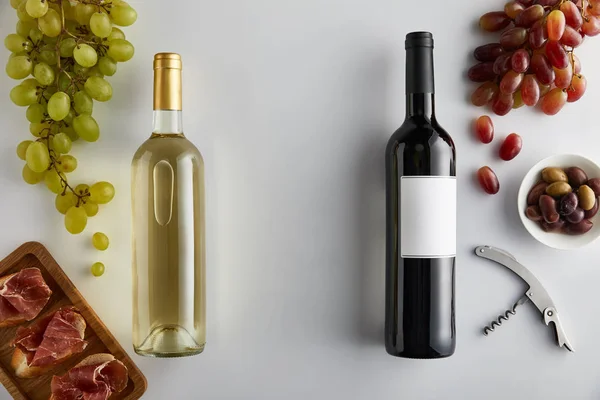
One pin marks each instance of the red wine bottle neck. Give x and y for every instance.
(421, 105)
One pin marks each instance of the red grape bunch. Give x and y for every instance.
(534, 61)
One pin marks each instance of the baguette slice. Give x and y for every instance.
(94, 359)
(19, 358)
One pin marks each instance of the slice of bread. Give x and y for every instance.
(11, 321)
(19, 359)
(91, 360)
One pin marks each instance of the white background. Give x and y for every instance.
(291, 103)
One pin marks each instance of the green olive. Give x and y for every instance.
(558, 189)
(553, 174)
(587, 198)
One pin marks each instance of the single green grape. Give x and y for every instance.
(123, 15)
(75, 220)
(85, 55)
(50, 24)
(70, 133)
(23, 27)
(98, 88)
(69, 118)
(100, 241)
(100, 24)
(107, 66)
(22, 13)
(36, 8)
(116, 33)
(17, 43)
(83, 13)
(95, 71)
(91, 209)
(83, 103)
(62, 143)
(67, 163)
(44, 74)
(54, 181)
(79, 70)
(48, 56)
(82, 189)
(37, 129)
(22, 149)
(35, 113)
(36, 35)
(37, 157)
(86, 127)
(120, 50)
(59, 106)
(66, 47)
(63, 82)
(23, 95)
(19, 67)
(31, 177)
(30, 83)
(97, 269)
(65, 201)
(102, 192)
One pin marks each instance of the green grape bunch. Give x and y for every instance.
(62, 51)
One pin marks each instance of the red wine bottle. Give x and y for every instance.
(421, 219)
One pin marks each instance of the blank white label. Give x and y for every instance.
(427, 216)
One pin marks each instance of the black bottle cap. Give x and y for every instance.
(419, 39)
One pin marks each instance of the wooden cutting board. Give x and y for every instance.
(64, 293)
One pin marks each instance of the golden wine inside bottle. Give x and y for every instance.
(169, 310)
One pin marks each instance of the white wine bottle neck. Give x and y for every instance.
(167, 122)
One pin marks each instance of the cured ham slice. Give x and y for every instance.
(48, 342)
(95, 378)
(23, 295)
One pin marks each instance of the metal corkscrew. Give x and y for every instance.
(504, 317)
(536, 294)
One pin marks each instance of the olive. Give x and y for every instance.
(553, 174)
(548, 209)
(577, 176)
(576, 216)
(568, 203)
(555, 227)
(595, 185)
(534, 213)
(589, 214)
(533, 198)
(587, 198)
(580, 228)
(558, 189)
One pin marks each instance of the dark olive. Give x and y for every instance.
(568, 203)
(555, 227)
(533, 198)
(577, 176)
(592, 213)
(580, 228)
(576, 216)
(595, 185)
(548, 208)
(533, 213)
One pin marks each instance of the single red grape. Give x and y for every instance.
(555, 23)
(482, 72)
(488, 180)
(530, 90)
(529, 16)
(502, 103)
(484, 129)
(538, 35)
(520, 61)
(484, 94)
(591, 26)
(573, 16)
(488, 52)
(511, 147)
(554, 101)
(556, 54)
(502, 64)
(542, 69)
(513, 38)
(577, 89)
(494, 21)
(513, 8)
(571, 37)
(511, 82)
(563, 77)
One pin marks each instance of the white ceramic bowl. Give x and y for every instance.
(557, 240)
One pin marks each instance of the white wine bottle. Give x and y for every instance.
(169, 311)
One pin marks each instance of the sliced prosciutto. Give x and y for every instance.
(23, 295)
(51, 338)
(95, 378)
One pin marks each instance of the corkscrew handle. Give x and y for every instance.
(504, 317)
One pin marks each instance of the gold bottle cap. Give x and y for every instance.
(167, 81)
(167, 60)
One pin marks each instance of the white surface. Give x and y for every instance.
(292, 103)
(557, 241)
(427, 226)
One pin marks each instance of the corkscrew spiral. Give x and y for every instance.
(501, 318)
